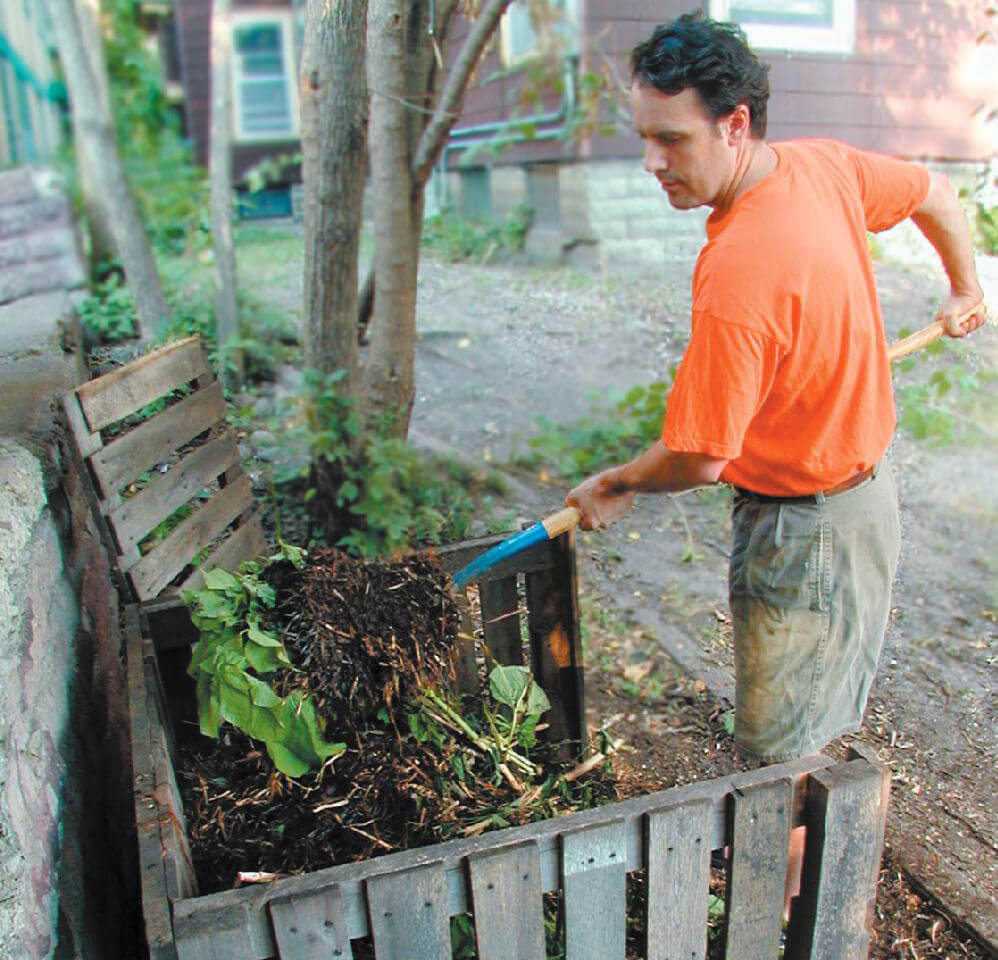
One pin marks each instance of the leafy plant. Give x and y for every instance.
(456, 238)
(232, 659)
(390, 495)
(109, 312)
(632, 423)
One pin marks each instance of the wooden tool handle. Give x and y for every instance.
(925, 336)
(558, 523)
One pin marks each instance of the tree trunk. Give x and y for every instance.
(98, 221)
(389, 381)
(334, 153)
(223, 246)
(94, 130)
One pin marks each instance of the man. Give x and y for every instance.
(785, 388)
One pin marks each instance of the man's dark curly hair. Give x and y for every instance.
(713, 58)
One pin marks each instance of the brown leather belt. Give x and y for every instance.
(854, 481)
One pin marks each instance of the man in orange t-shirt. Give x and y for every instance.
(785, 388)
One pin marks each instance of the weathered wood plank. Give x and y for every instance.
(311, 926)
(158, 567)
(556, 644)
(760, 819)
(594, 875)
(506, 892)
(246, 542)
(409, 914)
(115, 395)
(846, 810)
(87, 443)
(167, 492)
(501, 619)
(155, 439)
(198, 918)
(152, 868)
(677, 857)
(455, 556)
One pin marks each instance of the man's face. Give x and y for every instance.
(686, 150)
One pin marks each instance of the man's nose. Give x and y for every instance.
(655, 158)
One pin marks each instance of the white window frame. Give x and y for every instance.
(840, 37)
(244, 18)
(519, 8)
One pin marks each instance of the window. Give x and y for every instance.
(820, 26)
(520, 39)
(264, 94)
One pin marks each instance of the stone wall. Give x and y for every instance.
(67, 861)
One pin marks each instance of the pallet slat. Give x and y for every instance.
(246, 542)
(158, 567)
(506, 892)
(409, 914)
(169, 491)
(154, 440)
(556, 644)
(311, 926)
(677, 854)
(501, 619)
(115, 395)
(760, 838)
(847, 808)
(594, 872)
(152, 869)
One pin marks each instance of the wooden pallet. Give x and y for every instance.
(183, 458)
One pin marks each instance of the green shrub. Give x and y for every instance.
(108, 313)
(615, 435)
(457, 238)
(391, 496)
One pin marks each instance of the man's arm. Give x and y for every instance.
(606, 497)
(941, 218)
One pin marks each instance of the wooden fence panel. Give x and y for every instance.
(760, 820)
(677, 855)
(846, 809)
(501, 619)
(594, 870)
(311, 926)
(409, 914)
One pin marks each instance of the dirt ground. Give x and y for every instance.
(500, 345)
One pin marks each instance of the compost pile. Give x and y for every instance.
(373, 644)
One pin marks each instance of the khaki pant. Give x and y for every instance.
(809, 587)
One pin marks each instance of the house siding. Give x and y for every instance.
(193, 24)
(910, 88)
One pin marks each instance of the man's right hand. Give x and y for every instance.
(955, 309)
(600, 500)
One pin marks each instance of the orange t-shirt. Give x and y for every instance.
(786, 373)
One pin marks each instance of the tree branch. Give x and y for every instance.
(451, 100)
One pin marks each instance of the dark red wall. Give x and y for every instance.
(193, 19)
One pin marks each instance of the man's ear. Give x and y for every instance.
(738, 124)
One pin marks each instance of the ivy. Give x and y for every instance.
(232, 660)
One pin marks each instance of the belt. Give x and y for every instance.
(854, 481)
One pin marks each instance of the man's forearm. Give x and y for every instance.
(942, 220)
(660, 470)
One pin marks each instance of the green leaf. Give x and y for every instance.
(508, 684)
(218, 579)
(287, 762)
(260, 637)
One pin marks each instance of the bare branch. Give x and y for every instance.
(452, 98)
